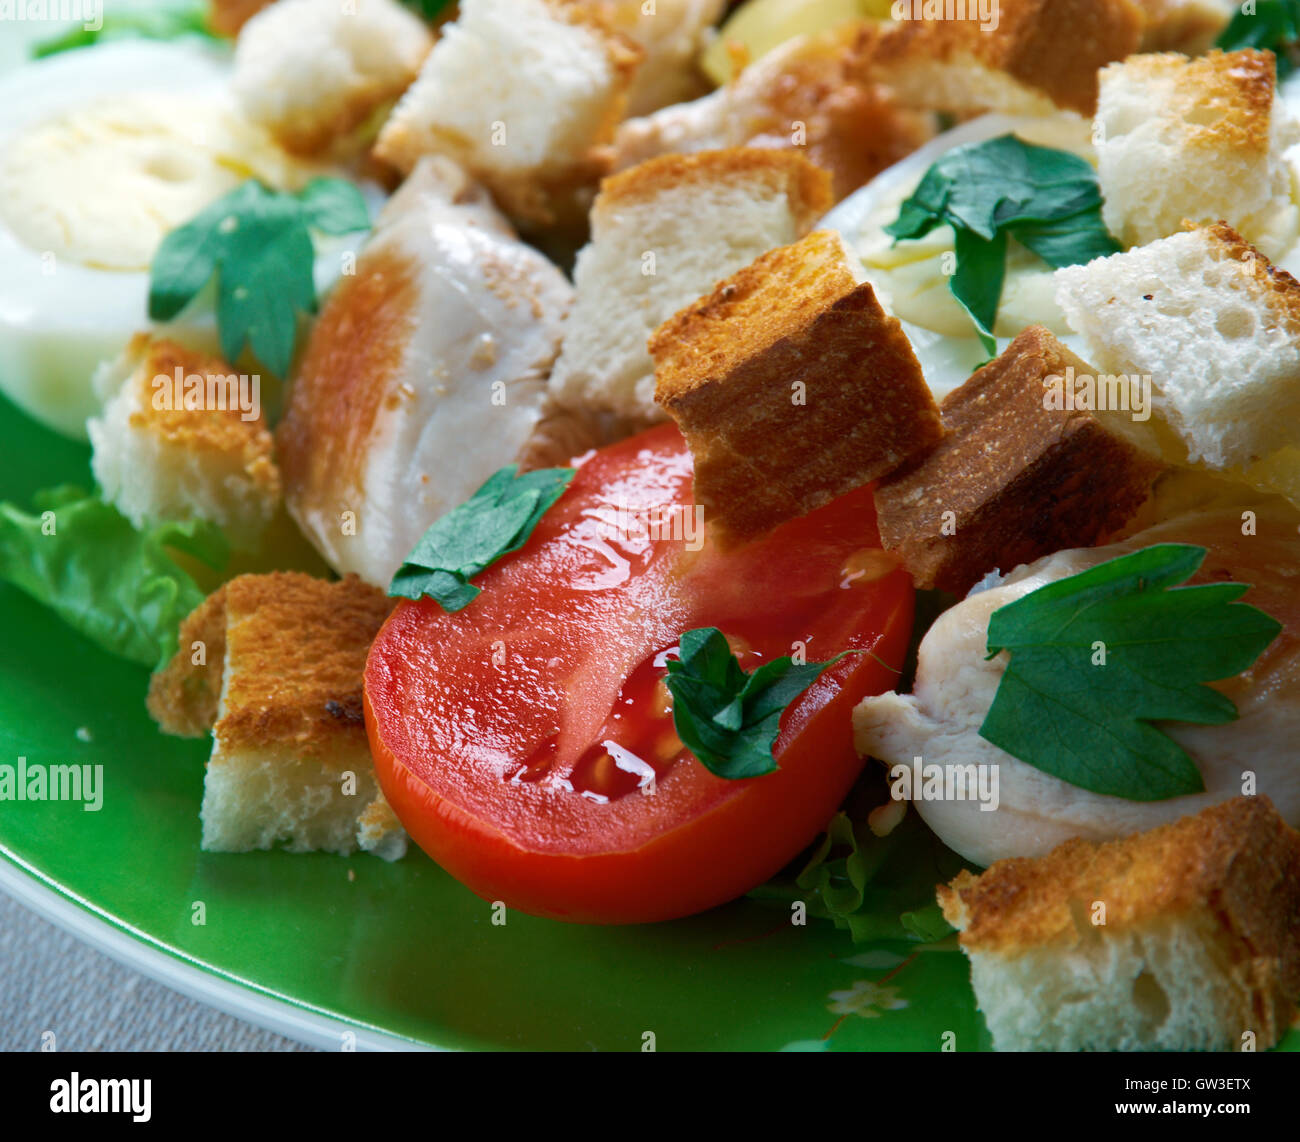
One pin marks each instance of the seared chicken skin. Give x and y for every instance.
(939, 722)
(424, 374)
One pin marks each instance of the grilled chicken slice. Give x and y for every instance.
(424, 374)
(955, 685)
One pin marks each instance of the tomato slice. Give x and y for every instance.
(527, 744)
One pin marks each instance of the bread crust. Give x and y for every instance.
(792, 386)
(1051, 46)
(1230, 874)
(1019, 480)
(806, 186)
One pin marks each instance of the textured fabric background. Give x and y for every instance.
(50, 981)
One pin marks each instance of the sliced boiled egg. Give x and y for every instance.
(911, 277)
(103, 151)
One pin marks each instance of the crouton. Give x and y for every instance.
(806, 95)
(227, 17)
(183, 437)
(1189, 26)
(1012, 479)
(1032, 56)
(1213, 323)
(1198, 139)
(1183, 938)
(792, 386)
(314, 71)
(521, 93)
(671, 33)
(290, 759)
(662, 234)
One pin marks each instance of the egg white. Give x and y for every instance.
(60, 317)
(913, 286)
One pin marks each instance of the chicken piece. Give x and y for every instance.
(424, 373)
(955, 685)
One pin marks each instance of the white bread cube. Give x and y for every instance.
(279, 681)
(157, 460)
(313, 71)
(1182, 938)
(1216, 327)
(520, 93)
(662, 234)
(1195, 139)
(672, 34)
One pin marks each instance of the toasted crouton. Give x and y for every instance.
(662, 234)
(521, 93)
(183, 437)
(1013, 479)
(807, 95)
(1189, 26)
(1032, 56)
(671, 33)
(313, 71)
(227, 17)
(1213, 323)
(792, 387)
(290, 759)
(1197, 139)
(1183, 938)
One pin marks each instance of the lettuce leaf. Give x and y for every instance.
(117, 586)
(875, 888)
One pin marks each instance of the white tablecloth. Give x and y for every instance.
(50, 981)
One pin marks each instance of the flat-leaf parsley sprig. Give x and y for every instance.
(1048, 200)
(1096, 658)
(494, 521)
(258, 243)
(729, 719)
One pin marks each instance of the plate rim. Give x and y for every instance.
(137, 950)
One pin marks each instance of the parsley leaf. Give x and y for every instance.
(429, 9)
(1271, 25)
(729, 719)
(1048, 200)
(1099, 656)
(157, 22)
(258, 244)
(495, 521)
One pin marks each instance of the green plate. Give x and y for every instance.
(345, 952)
(317, 946)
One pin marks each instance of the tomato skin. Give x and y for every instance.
(700, 840)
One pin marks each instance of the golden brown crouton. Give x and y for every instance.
(1185, 937)
(1037, 53)
(290, 760)
(792, 386)
(1013, 479)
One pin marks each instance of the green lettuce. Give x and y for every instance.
(876, 888)
(119, 587)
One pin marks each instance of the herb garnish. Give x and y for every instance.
(1099, 656)
(495, 521)
(258, 243)
(155, 22)
(729, 719)
(1048, 200)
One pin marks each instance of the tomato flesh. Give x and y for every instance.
(527, 743)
